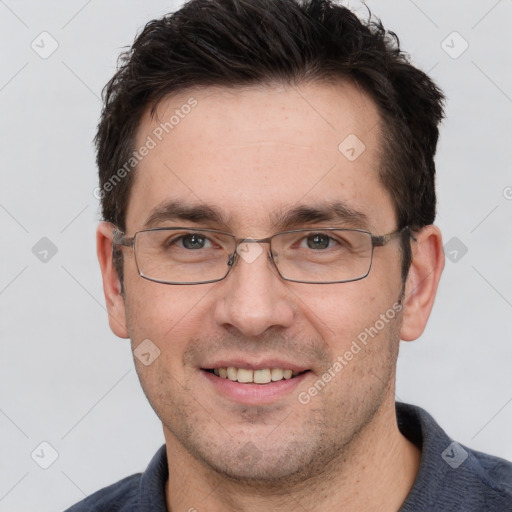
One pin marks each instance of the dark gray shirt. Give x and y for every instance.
(451, 477)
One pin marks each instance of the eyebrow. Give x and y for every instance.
(333, 212)
(299, 216)
(176, 210)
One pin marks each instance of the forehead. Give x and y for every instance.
(253, 153)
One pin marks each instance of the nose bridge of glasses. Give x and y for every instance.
(250, 240)
(248, 249)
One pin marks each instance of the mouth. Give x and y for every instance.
(250, 376)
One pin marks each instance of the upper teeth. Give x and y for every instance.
(257, 376)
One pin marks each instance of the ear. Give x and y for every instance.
(422, 281)
(111, 284)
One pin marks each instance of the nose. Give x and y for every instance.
(253, 298)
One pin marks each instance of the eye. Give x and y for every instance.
(194, 241)
(319, 241)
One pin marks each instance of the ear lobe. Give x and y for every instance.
(422, 281)
(111, 284)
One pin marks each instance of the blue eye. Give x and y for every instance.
(319, 241)
(194, 241)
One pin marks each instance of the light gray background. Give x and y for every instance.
(67, 380)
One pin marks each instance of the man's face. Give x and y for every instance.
(255, 155)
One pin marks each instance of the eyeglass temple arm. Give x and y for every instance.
(384, 239)
(120, 239)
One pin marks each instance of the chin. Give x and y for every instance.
(257, 464)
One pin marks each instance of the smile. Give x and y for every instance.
(248, 376)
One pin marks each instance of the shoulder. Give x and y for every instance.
(493, 477)
(474, 481)
(119, 497)
(451, 476)
(139, 492)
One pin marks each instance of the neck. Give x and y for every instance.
(374, 472)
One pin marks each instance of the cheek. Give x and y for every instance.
(161, 321)
(362, 311)
(165, 314)
(340, 310)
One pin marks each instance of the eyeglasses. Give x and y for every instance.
(184, 255)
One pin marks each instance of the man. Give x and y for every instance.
(267, 185)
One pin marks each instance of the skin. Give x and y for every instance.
(252, 152)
